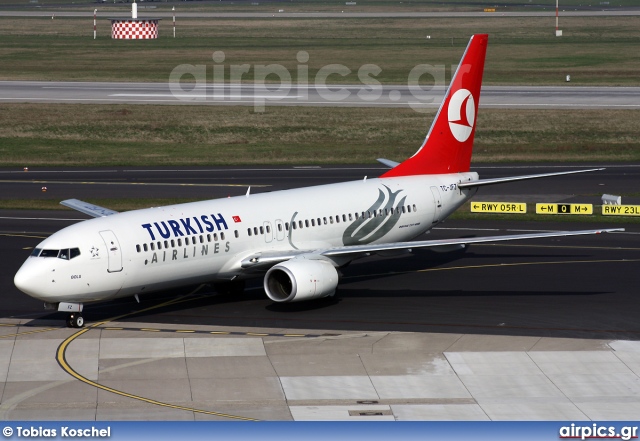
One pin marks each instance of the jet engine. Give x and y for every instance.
(300, 279)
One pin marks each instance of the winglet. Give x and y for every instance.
(449, 143)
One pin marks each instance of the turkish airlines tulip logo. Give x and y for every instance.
(462, 114)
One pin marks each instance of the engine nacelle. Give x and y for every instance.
(300, 279)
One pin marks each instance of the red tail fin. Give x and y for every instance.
(449, 143)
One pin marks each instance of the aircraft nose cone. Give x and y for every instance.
(27, 281)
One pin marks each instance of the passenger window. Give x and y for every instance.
(279, 227)
(286, 226)
(221, 236)
(144, 247)
(306, 223)
(268, 229)
(344, 217)
(409, 208)
(249, 232)
(324, 219)
(64, 255)
(179, 243)
(261, 230)
(414, 208)
(313, 222)
(173, 243)
(201, 238)
(36, 252)
(255, 230)
(159, 245)
(166, 244)
(236, 233)
(331, 219)
(300, 224)
(215, 237)
(153, 247)
(186, 241)
(74, 252)
(350, 218)
(337, 219)
(403, 209)
(138, 248)
(208, 238)
(319, 221)
(293, 225)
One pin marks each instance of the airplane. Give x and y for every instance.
(297, 239)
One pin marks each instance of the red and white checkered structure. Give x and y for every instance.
(134, 29)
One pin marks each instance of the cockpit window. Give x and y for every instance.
(65, 254)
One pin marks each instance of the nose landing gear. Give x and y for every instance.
(75, 320)
(74, 310)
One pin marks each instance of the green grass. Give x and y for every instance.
(324, 5)
(115, 135)
(522, 50)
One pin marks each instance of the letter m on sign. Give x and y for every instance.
(236, 219)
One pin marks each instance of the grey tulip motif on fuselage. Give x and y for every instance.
(367, 229)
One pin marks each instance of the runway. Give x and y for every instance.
(542, 329)
(525, 97)
(603, 12)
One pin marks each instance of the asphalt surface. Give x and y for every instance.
(566, 287)
(568, 97)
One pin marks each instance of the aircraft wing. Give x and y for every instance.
(482, 182)
(87, 208)
(272, 258)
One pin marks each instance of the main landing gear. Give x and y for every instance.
(75, 320)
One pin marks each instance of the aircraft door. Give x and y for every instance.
(114, 253)
(437, 201)
(268, 232)
(279, 230)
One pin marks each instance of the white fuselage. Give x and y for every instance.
(158, 248)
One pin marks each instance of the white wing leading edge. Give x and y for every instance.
(482, 182)
(354, 251)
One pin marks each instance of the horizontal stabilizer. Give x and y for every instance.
(388, 162)
(87, 208)
(482, 182)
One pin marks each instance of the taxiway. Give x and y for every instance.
(543, 329)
